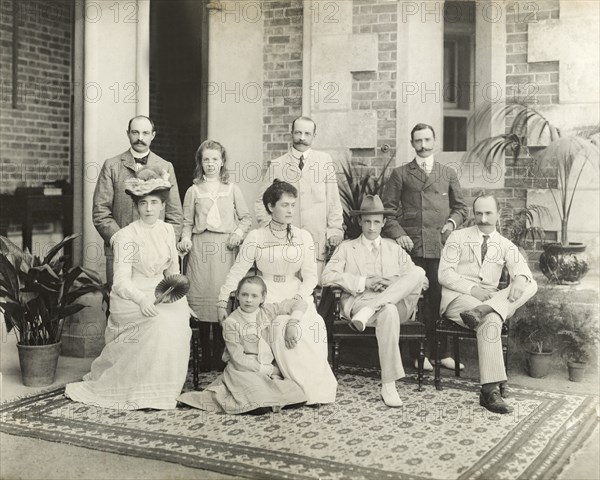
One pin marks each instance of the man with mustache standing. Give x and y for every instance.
(113, 209)
(313, 173)
(429, 203)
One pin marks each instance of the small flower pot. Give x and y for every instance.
(538, 364)
(38, 364)
(576, 371)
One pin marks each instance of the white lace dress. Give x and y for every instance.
(145, 360)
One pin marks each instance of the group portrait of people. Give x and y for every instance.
(413, 244)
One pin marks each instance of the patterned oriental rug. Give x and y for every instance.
(436, 435)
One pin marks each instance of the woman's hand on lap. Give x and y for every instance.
(148, 308)
(292, 333)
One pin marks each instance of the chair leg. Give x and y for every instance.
(456, 339)
(420, 365)
(204, 333)
(195, 357)
(336, 355)
(438, 363)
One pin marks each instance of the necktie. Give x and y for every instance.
(374, 249)
(142, 160)
(424, 167)
(301, 162)
(484, 247)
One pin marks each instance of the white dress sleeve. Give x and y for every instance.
(126, 253)
(308, 269)
(173, 267)
(243, 263)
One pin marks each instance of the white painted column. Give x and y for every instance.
(116, 86)
(143, 57)
(420, 73)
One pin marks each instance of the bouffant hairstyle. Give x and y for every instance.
(275, 191)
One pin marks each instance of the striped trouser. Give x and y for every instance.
(489, 341)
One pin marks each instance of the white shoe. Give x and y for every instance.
(359, 321)
(427, 367)
(449, 363)
(390, 396)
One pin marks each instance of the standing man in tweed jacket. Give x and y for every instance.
(429, 204)
(113, 209)
(472, 262)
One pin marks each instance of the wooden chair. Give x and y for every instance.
(339, 331)
(447, 327)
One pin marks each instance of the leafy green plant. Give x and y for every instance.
(353, 190)
(37, 294)
(565, 156)
(520, 225)
(579, 336)
(536, 333)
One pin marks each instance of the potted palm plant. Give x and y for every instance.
(36, 295)
(566, 157)
(579, 336)
(537, 335)
(354, 187)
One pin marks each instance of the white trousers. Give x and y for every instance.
(391, 309)
(489, 340)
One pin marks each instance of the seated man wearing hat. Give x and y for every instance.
(381, 288)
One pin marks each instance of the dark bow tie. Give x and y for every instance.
(141, 160)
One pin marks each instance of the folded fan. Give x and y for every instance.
(171, 288)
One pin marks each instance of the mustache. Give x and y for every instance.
(140, 142)
(300, 142)
(423, 149)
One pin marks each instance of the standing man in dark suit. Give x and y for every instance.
(113, 209)
(429, 204)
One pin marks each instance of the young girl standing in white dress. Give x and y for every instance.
(215, 221)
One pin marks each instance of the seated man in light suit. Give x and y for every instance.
(470, 269)
(381, 289)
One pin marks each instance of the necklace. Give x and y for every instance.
(280, 230)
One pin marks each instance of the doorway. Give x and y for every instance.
(178, 79)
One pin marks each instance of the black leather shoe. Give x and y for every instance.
(472, 318)
(494, 403)
(504, 391)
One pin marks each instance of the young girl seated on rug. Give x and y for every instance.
(251, 381)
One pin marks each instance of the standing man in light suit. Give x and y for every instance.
(470, 269)
(313, 173)
(381, 289)
(113, 209)
(429, 204)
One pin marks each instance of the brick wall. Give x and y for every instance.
(535, 83)
(282, 67)
(377, 90)
(36, 135)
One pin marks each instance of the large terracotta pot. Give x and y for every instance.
(564, 264)
(538, 364)
(576, 371)
(38, 364)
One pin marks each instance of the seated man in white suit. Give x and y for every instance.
(470, 269)
(381, 289)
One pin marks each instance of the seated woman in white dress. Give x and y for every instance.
(144, 363)
(284, 254)
(252, 381)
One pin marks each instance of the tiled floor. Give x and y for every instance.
(58, 461)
